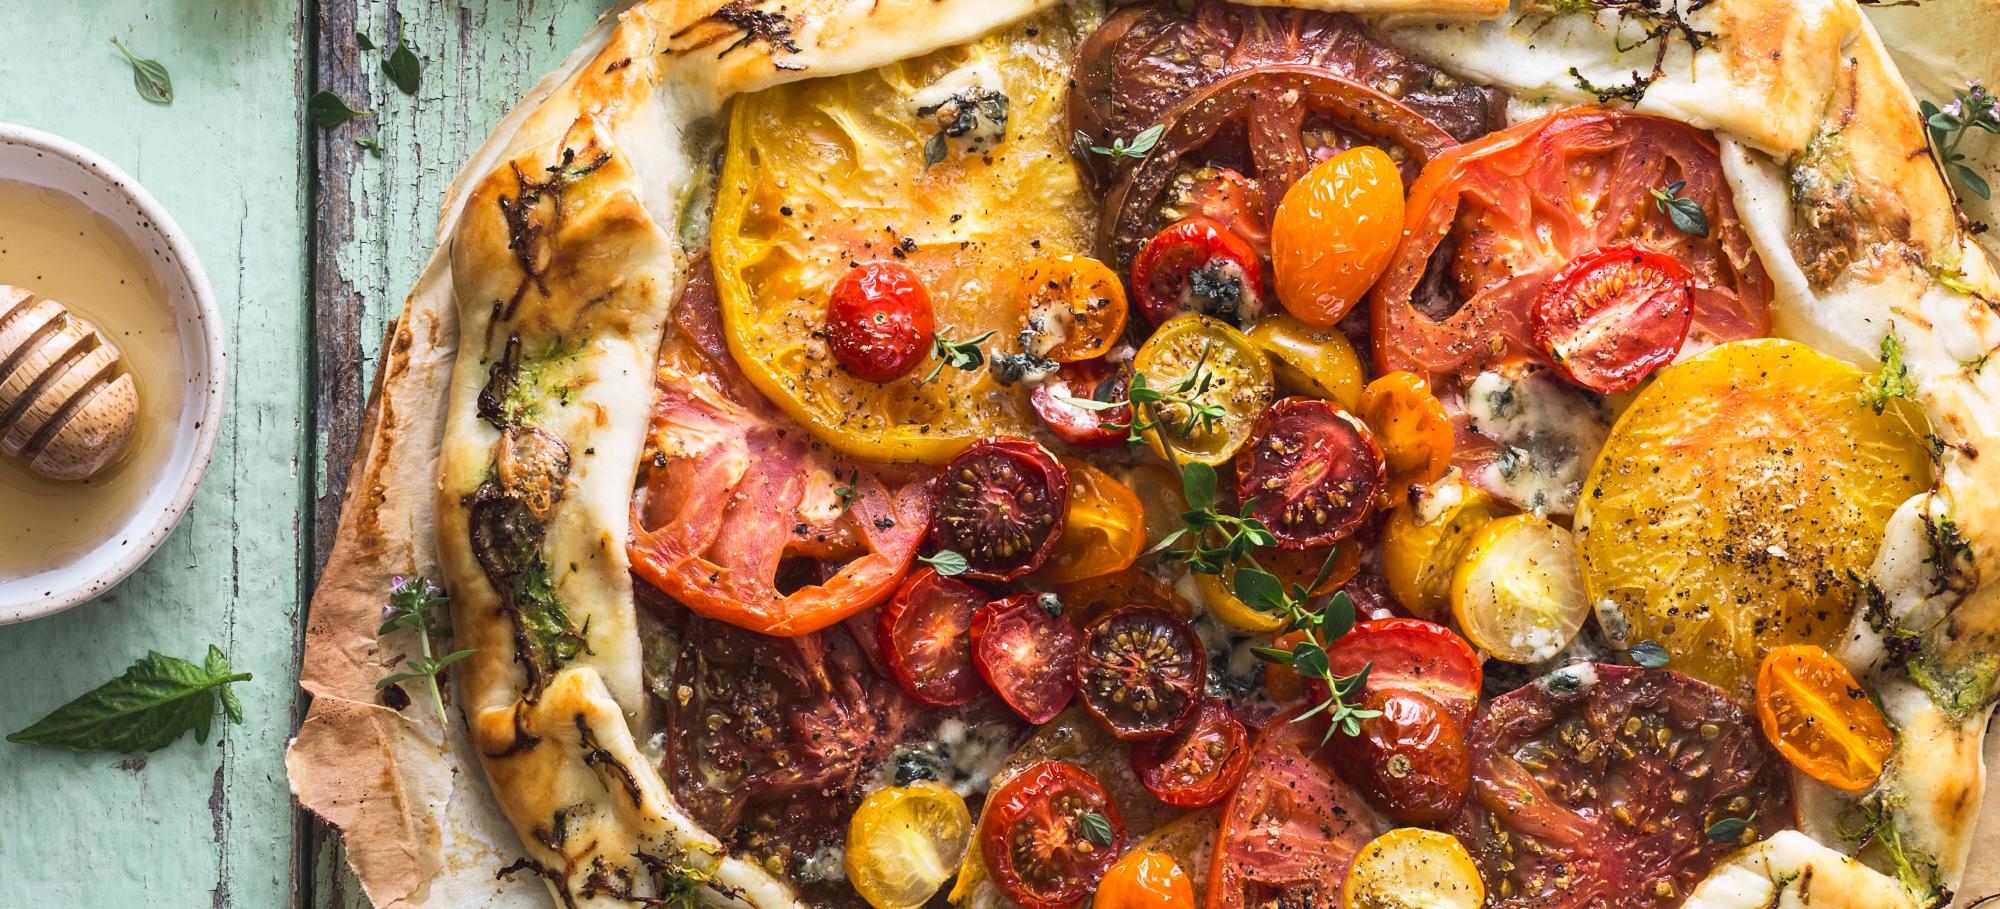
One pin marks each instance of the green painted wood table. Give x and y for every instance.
(310, 241)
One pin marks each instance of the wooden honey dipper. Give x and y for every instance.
(67, 402)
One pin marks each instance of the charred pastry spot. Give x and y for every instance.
(533, 466)
(506, 541)
(501, 379)
(596, 756)
(772, 28)
(537, 206)
(523, 739)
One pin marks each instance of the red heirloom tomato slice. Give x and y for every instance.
(1026, 649)
(878, 320)
(1001, 504)
(1609, 778)
(1488, 224)
(1141, 671)
(1291, 829)
(1412, 655)
(1311, 472)
(730, 489)
(1197, 266)
(926, 636)
(1410, 762)
(1612, 316)
(1090, 380)
(1199, 765)
(1048, 834)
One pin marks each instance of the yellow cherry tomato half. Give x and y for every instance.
(1411, 426)
(1820, 718)
(1334, 233)
(1291, 567)
(1072, 308)
(1145, 879)
(1316, 362)
(1105, 529)
(904, 842)
(1203, 363)
(1518, 594)
(1414, 868)
(1427, 537)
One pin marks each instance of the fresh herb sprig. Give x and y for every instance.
(1187, 399)
(1140, 146)
(413, 604)
(154, 703)
(963, 355)
(1973, 107)
(1686, 214)
(1320, 627)
(1893, 381)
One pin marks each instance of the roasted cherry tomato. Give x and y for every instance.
(1412, 655)
(1290, 830)
(878, 320)
(1612, 316)
(1199, 765)
(1411, 426)
(1141, 671)
(1048, 834)
(1025, 647)
(1092, 597)
(1426, 536)
(1301, 567)
(1159, 491)
(1335, 232)
(904, 842)
(1414, 868)
(1001, 504)
(1073, 308)
(925, 633)
(1820, 718)
(1090, 380)
(1213, 364)
(1519, 593)
(1224, 196)
(1311, 472)
(1198, 266)
(1316, 362)
(1104, 532)
(1410, 762)
(1145, 879)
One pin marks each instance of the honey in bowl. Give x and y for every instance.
(55, 247)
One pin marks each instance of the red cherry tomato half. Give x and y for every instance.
(1612, 316)
(925, 631)
(1090, 380)
(1410, 762)
(1311, 472)
(1141, 671)
(878, 320)
(1290, 831)
(1412, 655)
(1025, 648)
(1001, 503)
(1199, 765)
(1196, 265)
(1048, 834)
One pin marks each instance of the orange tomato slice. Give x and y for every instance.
(1411, 426)
(1820, 718)
(1105, 530)
(1145, 879)
(1073, 308)
(1334, 233)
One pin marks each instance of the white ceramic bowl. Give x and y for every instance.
(35, 157)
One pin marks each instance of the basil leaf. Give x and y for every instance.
(1648, 654)
(326, 111)
(945, 562)
(1096, 828)
(1198, 485)
(157, 700)
(403, 67)
(148, 76)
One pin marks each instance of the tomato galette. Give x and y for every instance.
(1390, 453)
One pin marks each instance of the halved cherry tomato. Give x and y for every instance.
(1335, 232)
(1519, 592)
(1073, 308)
(1159, 491)
(1410, 762)
(1612, 316)
(1224, 196)
(1193, 353)
(1316, 362)
(1412, 427)
(1199, 765)
(1425, 538)
(1090, 380)
(1290, 830)
(1048, 834)
(1025, 647)
(878, 320)
(925, 633)
(1141, 671)
(1311, 472)
(1412, 655)
(1300, 567)
(1820, 718)
(1414, 868)
(1145, 879)
(1092, 597)
(1001, 503)
(1197, 266)
(1104, 532)
(904, 842)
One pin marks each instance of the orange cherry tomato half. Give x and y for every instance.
(1820, 718)
(1072, 308)
(1334, 233)
(1105, 529)
(1197, 266)
(1145, 879)
(1089, 598)
(1411, 426)
(1048, 834)
(1613, 315)
(878, 320)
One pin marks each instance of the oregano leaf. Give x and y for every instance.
(403, 68)
(326, 110)
(945, 562)
(148, 76)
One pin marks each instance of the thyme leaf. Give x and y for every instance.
(962, 355)
(945, 562)
(1971, 108)
(1686, 214)
(1141, 145)
(157, 700)
(1893, 381)
(1095, 827)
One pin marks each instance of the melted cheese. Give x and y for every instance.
(1549, 435)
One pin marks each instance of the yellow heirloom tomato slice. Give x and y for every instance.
(1213, 364)
(1737, 501)
(1104, 531)
(1414, 868)
(1318, 362)
(1425, 539)
(822, 174)
(904, 842)
(1518, 594)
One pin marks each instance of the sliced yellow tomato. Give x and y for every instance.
(1210, 363)
(1414, 868)
(1820, 718)
(1144, 879)
(1159, 491)
(1518, 594)
(1072, 307)
(1736, 503)
(1427, 537)
(823, 173)
(1291, 567)
(1411, 426)
(1316, 362)
(904, 842)
(1104, 531)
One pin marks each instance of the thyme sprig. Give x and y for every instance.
(1188, 398)
(963, 355)
(1972, 108)
(413, 604)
